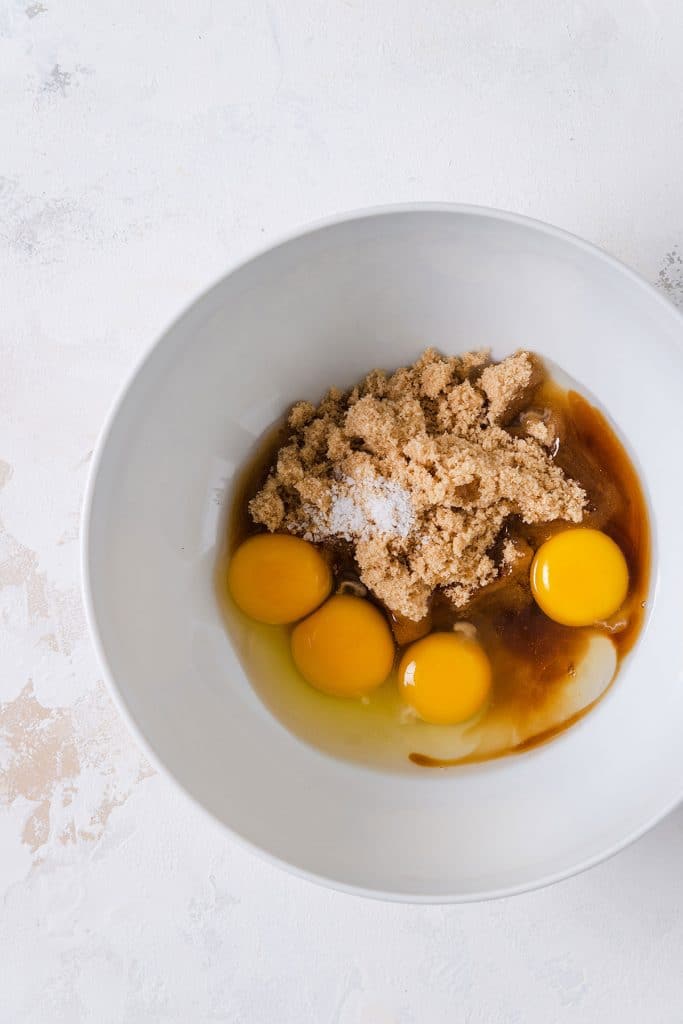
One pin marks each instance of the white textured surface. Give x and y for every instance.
(145, 148)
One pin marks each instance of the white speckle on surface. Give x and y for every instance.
(145, 149)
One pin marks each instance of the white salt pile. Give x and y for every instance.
(364, 508)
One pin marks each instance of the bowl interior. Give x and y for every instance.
(324, 308)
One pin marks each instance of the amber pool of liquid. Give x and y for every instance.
(545, 676)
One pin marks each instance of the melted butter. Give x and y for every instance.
(546, 676)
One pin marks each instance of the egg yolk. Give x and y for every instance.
(579, 577)
(345, 648)
(277, 578)
(445, 677)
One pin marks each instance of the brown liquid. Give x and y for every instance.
(531, 656)
(529, 652)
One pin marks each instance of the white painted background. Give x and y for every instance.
(144, 148)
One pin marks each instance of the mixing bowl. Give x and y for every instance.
(373, 289)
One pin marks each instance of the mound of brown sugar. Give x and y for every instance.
(418, 472)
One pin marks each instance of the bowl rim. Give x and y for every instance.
(87, 586)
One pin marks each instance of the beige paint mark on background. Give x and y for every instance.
(37, 828)
(74, 765)
(48, 642)
(40, 755)
(17, 563)
(43, 600)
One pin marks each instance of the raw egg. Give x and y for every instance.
(579, 577)
(445, 677)
(277, 578)
(345, 648)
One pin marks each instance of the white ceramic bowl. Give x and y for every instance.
(323, 307)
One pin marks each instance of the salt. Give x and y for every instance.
(363, 508)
